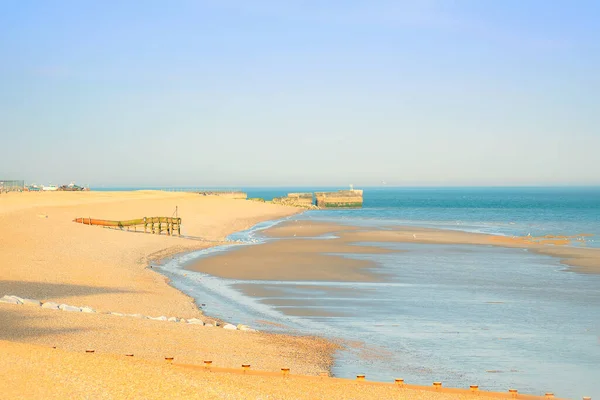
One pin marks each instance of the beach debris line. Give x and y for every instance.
(155, 225)
(16, 300)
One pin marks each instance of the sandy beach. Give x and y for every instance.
(95, 376)
(46, 256)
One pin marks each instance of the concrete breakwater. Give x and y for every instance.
(296, 200)
(340, 199)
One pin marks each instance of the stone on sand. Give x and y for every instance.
(173, 319)
(10, 300)
(88, 310)
(161, 318)
(32, 302)
(230, 327)
(195, 321)
(50, 305)
(66, 307)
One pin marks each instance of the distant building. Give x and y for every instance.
(8, 185)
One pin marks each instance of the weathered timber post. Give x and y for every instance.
(179, 226)
(145, 225)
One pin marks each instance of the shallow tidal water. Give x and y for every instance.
(500, 318)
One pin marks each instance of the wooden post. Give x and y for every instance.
(179, 226)
(159, 226)
(145, 225)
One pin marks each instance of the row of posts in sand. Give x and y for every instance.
(155, 225)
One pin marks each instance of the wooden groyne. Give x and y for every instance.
(154, 225)
(341, 199)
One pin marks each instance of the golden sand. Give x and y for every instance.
(45, 256)
(30, 371)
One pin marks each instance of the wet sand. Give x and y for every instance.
(296, 258)
(293, 259)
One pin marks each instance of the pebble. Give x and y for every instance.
(50, 305)
(31, 302)
(10, 300)
(66, 307)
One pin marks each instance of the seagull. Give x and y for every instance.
(414, 236)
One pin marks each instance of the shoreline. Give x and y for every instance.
(313, 259)
(283, 293)
(111, 271)
(115, 274)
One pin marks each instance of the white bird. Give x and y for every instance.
(414, 236)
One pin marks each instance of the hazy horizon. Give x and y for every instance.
(300, 93)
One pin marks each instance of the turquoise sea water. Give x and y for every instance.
(491, 316)
(509, 211)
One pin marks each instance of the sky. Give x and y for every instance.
(308, 93)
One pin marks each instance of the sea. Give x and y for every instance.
(461, 314)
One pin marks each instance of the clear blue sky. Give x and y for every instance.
(312, 92)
